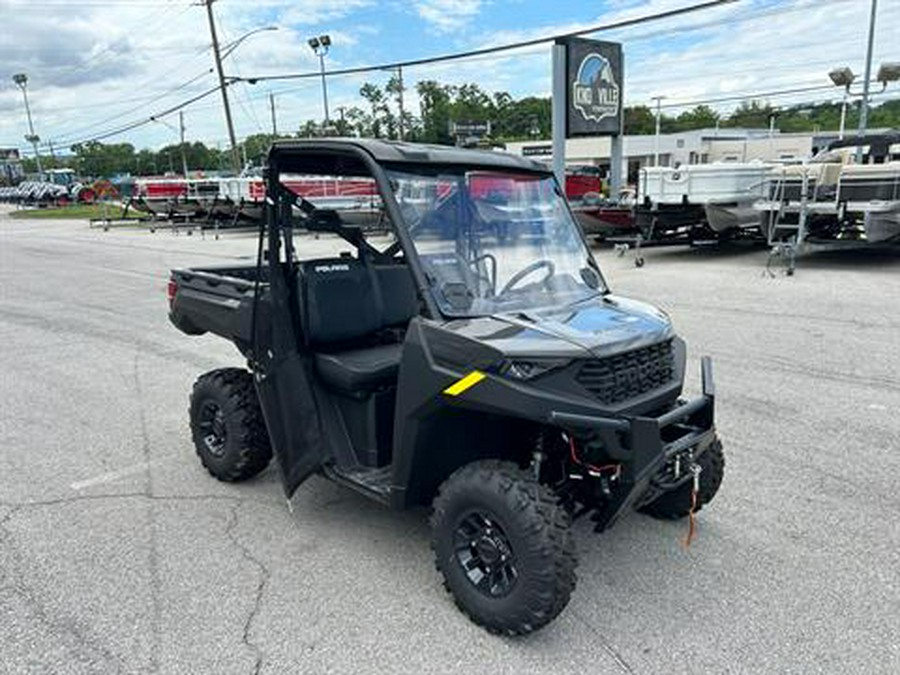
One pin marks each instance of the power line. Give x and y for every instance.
(680, 11)
(144, 121)
(80, 131)
(750, 97)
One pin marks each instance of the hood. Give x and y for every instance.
(598, 327)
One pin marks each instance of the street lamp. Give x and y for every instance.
(844, 77)
(234, 44)
(888, 72)
(320, 46)
(21, 80)
(218, 56)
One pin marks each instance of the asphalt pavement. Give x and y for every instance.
(119, 553)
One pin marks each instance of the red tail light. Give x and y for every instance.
(171, 290)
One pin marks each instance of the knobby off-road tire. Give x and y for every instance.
(227, 425)
(677, 503)
(525, 551)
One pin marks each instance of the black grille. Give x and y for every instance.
(625, 376)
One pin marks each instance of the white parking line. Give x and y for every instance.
(111, 476)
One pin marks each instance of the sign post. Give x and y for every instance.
(587, 99)
(558, 109)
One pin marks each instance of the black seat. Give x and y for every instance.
(398, 294)
(345, 305)
(358, 370)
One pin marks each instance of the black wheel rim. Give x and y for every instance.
(484, 553)
(212, 428)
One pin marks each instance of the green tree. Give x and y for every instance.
(639, 120)
(701, 117)
(98, 160)
(381, 120)
(257, 147)
(751, 114)
(434, 103)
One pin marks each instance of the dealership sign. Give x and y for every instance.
(593, 87)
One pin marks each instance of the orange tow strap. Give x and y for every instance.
(695, 498)
(692, 523)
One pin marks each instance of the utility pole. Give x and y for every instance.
(235, 158)
(184, 166)
(272, 108)
(864, 104)
(400, 101)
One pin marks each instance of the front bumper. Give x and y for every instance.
(645, 445)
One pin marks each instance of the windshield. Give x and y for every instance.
(493, 242)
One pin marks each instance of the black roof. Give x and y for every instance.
(881, 141)
(401, 152)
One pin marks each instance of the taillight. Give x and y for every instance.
(171, 290)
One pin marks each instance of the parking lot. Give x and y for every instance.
(119, 553)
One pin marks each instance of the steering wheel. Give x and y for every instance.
(533, 267)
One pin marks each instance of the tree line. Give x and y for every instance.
(384, 115)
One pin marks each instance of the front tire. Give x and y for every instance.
(504, 546)
(227, 425)
(676, 504)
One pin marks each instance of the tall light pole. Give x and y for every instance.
(21, 80)
(658, 100)
(844, 77)
(320, 46)
(272, 110)
(864, 106)
(843, 115)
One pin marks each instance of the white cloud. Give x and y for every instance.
(97, 68)
(448, 15)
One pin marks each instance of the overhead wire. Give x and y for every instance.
(481, 54)
(667, 14)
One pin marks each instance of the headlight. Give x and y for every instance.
(522, 369)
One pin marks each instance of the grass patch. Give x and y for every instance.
(78, 211)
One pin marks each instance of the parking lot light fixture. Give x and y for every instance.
(888, 72)
(320, 45)
(21, 81)
(842, 77)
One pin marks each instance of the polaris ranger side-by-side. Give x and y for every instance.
(473, 359)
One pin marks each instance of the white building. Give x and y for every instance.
(701, 146)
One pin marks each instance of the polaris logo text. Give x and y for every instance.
(332, 268)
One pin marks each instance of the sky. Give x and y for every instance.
(97, 65)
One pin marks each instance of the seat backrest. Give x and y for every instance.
(399, 299)
(339, 301)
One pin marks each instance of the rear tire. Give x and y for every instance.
(503, 544)
(677, 503)
(227, 425)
